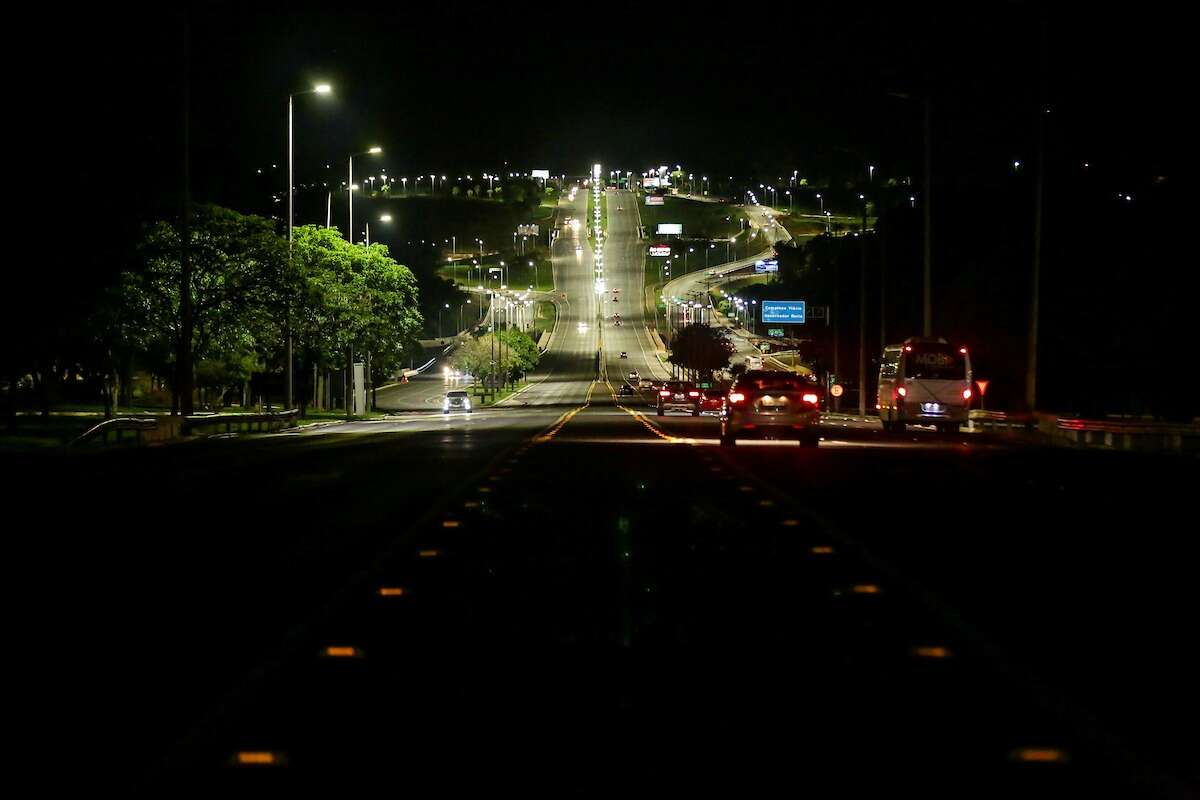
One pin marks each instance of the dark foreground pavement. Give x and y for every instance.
(550, 603)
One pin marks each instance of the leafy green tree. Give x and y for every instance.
(473, 357)
(702, 349)
(522, 352)
(237, 264)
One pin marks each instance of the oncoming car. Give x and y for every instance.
(775, 405)
(456, 401)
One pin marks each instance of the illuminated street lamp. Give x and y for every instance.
(383, 218)
(320, 88)
(372, 151)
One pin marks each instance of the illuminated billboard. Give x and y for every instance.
(669, 228)
(544, 174)
(654, 200)
(660, 250)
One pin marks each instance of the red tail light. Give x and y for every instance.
(693, 394)
(664, 393)
(966, 394)
(962, 350)
(900, 390)
(736, 397)
(810, 398)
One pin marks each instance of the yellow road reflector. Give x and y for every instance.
(931, 652)
(485, 489)
(451, 523)
(341, 651)
(745, 488)
(790, 523)
(257, 757)
(865, 588)
(429, 553)
(766, 503)
(822, 550)
(471, 504)
(1039, 755)
(391, 591)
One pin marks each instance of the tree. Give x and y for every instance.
(522, 352)
(701, 348)
(473, 357)
(237, 262)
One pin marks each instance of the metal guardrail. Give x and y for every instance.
(266, 423)
(1137, 435)
(1001, 420)
(118, 426)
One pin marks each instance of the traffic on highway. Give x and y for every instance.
(469, 400)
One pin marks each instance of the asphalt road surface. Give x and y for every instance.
(567, 596)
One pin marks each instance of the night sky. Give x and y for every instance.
(460, 87)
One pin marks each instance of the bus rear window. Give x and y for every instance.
(941, 362)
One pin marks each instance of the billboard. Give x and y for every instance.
(527, 230)
(790, 311)
(596, 172)
(544, 174)
(660, 250)
(655, 200)
(668, 228)
(767, 265)
(650, 183)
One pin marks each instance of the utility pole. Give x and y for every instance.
(183, 366)
(862, 315)
(928, 292)
(1039, 185)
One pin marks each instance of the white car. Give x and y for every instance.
(634, 375)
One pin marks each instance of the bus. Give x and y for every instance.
(924, 381)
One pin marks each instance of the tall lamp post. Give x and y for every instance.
(383, 218)
(321, 88)
(373, 151)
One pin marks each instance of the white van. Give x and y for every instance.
(924, 382)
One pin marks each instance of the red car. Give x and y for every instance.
(712, 401)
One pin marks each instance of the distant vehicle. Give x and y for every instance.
(624, 354)
(754, 362)
(712, 401)
(679, 396)
(924, 381)
(578, 248)
(616, 297)
(625, 391)
(773, 405)
(456, 401)
(634, 375)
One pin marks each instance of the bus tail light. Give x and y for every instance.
(900, 390)
(966, 394)
(810, 398)
(736, 397)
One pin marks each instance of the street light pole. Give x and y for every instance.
(288, 381)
